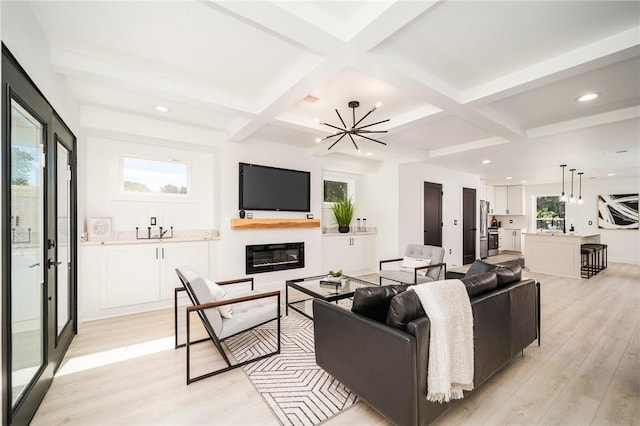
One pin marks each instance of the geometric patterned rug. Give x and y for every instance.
(297, 390)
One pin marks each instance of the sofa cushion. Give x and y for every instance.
(480, 283)
(508, 274)
(404, 308)
(479, 267)
(373, 302)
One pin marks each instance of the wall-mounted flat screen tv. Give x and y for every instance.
(272, 188)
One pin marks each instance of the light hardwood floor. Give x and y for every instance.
(587, 371)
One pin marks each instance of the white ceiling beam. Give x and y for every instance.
(584, 122)
(616, 48)
(469, 146)
(92, 69)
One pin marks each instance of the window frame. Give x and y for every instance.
(560, 219)
(123, 194)
(351, 188)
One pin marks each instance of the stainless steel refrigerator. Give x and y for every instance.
(484, 228)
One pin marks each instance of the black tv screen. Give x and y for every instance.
(272, 188)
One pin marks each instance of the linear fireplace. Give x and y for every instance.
(274, 257)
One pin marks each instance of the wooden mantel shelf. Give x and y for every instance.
(274, 223)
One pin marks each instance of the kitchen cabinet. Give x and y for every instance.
(144, 273)
(509, 200)
(489, 195)
(354, 254)
(510, 239)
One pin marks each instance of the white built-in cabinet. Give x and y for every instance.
(353, 253)
(138, 276)
(489, 195)
(510, 240)
(508, 200)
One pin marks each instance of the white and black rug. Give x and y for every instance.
(297, 390)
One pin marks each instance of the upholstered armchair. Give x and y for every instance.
(420, 264)
(224, 317)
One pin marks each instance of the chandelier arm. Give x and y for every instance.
(366, 137)
(370, 131)
(333, 135)
(373, 124)
(341, 120)
(354, 142)
(343, 135)
(335, 127)
(363, 117)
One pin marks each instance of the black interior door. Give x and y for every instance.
(36, 197)
(432, 214)
(469, 229)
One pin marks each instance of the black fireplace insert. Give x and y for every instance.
(274, 257)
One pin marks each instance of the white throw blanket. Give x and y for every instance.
(451, 343)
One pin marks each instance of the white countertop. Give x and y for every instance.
(561, 234)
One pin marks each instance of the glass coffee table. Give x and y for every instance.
(331, 292)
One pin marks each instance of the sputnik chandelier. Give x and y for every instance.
(354, 130)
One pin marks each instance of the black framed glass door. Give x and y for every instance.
(38, 242)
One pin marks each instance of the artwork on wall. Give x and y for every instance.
(618, 211)
(99, 228)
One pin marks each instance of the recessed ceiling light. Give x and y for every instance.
(311, 99)
(162, 108)
(588, 97)
(369, 154)
(611, 174)
(523, 181)
(508, 178)
(486, 161)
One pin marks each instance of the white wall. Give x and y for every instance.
(105, 197)
(623, 245)
(410, 220)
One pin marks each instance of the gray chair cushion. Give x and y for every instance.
(249, 314)
(404, 276)
(436, 254)
(203, 295)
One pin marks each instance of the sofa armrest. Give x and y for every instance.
(375, 361)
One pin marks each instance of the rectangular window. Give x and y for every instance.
(334, 190)
(549, 212)
(155, 176)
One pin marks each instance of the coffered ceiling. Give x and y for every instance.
(461, 81)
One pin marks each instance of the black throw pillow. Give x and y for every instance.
(508, 275)
(373, 302)
(480, 283)
(404, 308)
(479, 267)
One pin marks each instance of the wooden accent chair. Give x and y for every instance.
(248, 311)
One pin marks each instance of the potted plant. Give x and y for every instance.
(343, 211)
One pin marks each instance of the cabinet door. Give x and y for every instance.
(500, 195)
(515, 200)
(491, 198)
(517, 238)
(173, 255)
(336, 254)
(131, 275)
(363, 253)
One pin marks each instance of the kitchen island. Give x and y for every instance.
(556, 253)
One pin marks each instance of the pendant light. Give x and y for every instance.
(572, 199)
(562, 197)
(580, 201)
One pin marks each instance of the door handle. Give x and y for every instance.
(34, 265)
(51, 263)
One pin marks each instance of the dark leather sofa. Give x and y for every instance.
(385, 362)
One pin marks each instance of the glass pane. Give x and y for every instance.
(63, 294)
(549, 212)
(154, 177)
(27, 243)
(335, 191)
